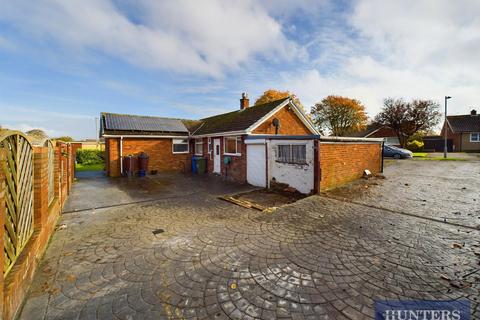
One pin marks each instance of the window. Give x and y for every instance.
(232, 146)
(475, 137)
(180, 145)
(292, 153)
(199, 147)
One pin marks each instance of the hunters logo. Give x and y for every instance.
(422, 310)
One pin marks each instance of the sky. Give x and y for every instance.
(64, 62)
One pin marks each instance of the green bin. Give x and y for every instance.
(201, 165)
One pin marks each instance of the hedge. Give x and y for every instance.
(90, 156)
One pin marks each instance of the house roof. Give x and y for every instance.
(371, 128)
(129, 124)
(464, 123)
(236, 120)
(239, 120)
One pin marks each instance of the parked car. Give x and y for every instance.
(396, 153)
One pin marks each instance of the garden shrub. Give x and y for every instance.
(415, 146)
(90, 156)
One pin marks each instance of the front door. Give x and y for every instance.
(216, 155)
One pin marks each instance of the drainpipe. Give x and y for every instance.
(121, 155)
(267, 164)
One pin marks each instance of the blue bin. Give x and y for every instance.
(194, 165)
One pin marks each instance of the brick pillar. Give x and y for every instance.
(2, 227)
(56, 173)
(40, 186)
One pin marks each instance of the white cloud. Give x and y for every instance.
(411, 49)
(204, 37)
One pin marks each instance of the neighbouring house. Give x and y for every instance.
(464, 130)
(91, 144)
(374, 130)
(263, 144)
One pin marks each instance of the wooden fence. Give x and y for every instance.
(18, 172)
(35, 180)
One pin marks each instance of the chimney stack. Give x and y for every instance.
(244, 101)
(473, 112)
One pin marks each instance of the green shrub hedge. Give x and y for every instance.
(90, 156)
(415, 146)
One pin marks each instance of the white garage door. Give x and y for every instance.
(256, 173)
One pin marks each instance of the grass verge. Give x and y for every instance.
(441, 159)
(420, 154)
(89, 167)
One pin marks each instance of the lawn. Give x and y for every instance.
(89, 167)
(420, 154)
(440, 159)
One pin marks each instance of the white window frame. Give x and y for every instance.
(210, 147)
(476, 134)
(176, 141)
(237, 153)
(198, 142)
(290, 145)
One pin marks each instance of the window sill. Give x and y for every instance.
(183, 152)
(233, 154)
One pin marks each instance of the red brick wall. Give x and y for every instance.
(342, 162)
(15, 286)
(112, 153)
(456, 138)
(237, 169)
(289, 124)
(159, 150)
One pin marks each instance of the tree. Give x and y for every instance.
(272, 95)
(408, 118)
(64, 138)
(339, 115)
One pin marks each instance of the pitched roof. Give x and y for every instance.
(236, 120)
(132, 123)
(366, 132)
(464, 123)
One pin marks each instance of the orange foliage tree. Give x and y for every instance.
(339, 115)
(272, 95)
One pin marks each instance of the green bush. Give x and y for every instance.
(87, 157)
(415, 146)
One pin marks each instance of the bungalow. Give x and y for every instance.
(464, 130)
(171, 143)
(269, 143)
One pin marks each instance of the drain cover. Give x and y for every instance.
(158, 231)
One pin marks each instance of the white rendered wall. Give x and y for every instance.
(297, 176)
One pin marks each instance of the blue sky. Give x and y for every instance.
(64, 62)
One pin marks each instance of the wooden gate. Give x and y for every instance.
(18, 170)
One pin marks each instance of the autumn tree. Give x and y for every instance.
(273, 95)
(408, 118)
(339, 115)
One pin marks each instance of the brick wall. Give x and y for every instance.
(15, 285)
(342, 162)
(237, 169)
(159, 150)
(456, 138)
(289, 124)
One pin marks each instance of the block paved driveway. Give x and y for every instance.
(319, 258)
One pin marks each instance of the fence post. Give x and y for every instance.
(40, 183)
(2, 227)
